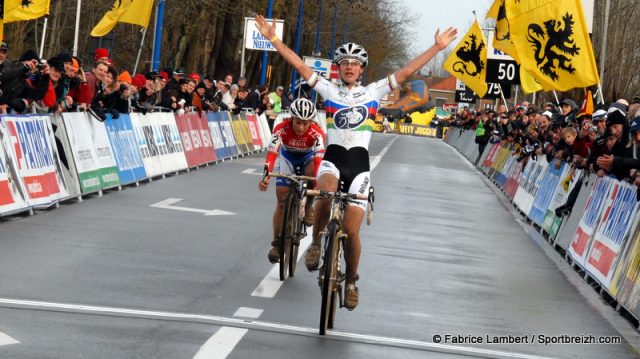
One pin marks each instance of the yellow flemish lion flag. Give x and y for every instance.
(135, 12)
(21, 10)
(501, 35)
(552, 43)
(468, 62)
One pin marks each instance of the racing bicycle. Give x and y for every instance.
(332, 274)
(293, 228)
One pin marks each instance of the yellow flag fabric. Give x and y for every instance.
(20, 10)
(502, 35)
(135, 12)
(552, 43)
(1, 29)
(468, 61)
(528, 82)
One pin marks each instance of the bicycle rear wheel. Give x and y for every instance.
(285, 237)
(329, 273)
(297, 229)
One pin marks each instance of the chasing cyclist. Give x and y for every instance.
(300, 143)
(351, 109)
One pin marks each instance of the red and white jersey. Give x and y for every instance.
(284, 139)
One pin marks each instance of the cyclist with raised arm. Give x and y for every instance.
(296, 142)
(351, 110)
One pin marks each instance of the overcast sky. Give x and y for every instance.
(434, 14)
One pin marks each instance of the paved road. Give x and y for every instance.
(115, 277)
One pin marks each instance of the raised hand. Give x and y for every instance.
(267, 30)
(443, 40)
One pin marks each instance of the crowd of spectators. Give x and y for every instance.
(30, 84)
(605, 142)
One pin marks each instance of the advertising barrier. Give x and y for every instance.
(28, 142)
(216, 135)
(125, 149)
(618, 210)
(254, 130)
(244, 144)
(11, 195)
(196, 139)
(548, 185)
(582, 237)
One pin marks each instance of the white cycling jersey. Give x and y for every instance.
(351, 113)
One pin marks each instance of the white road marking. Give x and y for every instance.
(262, 326)
(245, 312)
(7, 339)
(221, 344)
(168, 204)
(271, 283)
(252, 171)
(375, 160)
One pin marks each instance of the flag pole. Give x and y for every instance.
(77, 30)
(555, 94)
(44, 32)
(502, 95)
(144, 33)
(601, 99)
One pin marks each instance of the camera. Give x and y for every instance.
(41, 65)
(123, 88)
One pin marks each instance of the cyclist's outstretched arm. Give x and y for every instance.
(269, 32)
(442, 41)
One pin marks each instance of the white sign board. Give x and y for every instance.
(253, 39)
(492, 52)
(319, 65)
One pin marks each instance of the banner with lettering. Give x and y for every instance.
(593, 208)
(11, 195)
(548, 185)
(147, 144)
(612, 232)
(244, 143)
(125, 149)
(226, 131)
(254, 130)
(91, 150)
(196, 141)
(213, 121)
(29, 143)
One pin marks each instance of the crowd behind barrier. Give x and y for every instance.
(600, 237)
(46, 159)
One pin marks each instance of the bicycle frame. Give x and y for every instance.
(331, 276)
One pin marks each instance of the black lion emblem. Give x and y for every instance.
(26, 3)
(470, 55)
(559, 47)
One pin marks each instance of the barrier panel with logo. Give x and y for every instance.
(216, 135)
(549, 181)
(125, 149)
(513, 178)
(244, 144)
(254, 130)
(28, 142)
(551, 223)
(570, 224)
(147, 143)
(11, 195)
(416, 130)
(107, 166)
(196, 139)
(226, 131)
(612, 231)
(625, 286)
(588, 222)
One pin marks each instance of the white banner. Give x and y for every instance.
(253, 39)
(319, 65)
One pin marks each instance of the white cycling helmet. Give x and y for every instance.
(303, 109)
(351, 51)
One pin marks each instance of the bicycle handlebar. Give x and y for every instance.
(294, 177)
(326, 194)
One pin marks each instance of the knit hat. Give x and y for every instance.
(164, 75)
(618, 106)
(139, 81)
(100, 53)
(195, 76)
(75, 64)
(616, 117)
(56, 63)
(28, 56)
(65, 57)
(125, 77)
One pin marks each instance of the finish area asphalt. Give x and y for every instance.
(177, 268)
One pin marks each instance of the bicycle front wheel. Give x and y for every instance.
(285, 236)
(329, 277)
